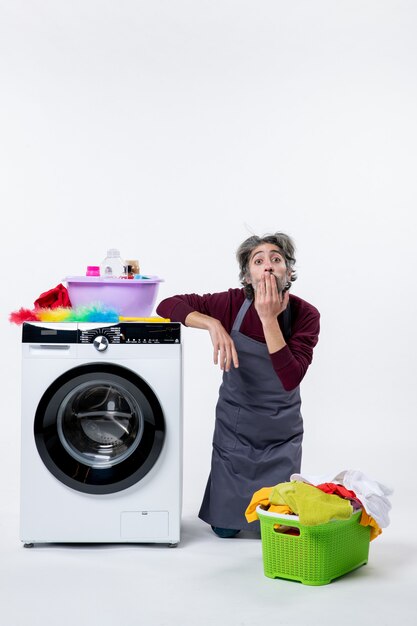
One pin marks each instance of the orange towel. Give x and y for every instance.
(280, 508)
(367, 520)
(261, 498)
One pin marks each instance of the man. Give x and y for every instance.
(263, 339)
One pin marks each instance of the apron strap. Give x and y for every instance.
(286, 318)
(241, 314)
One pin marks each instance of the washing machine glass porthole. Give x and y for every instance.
(100, 424)
(99, 428)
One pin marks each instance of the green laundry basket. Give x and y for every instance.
(318, 554)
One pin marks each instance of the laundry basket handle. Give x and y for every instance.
(281, 519)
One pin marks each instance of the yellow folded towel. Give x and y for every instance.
(312, 505)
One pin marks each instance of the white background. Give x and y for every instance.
(175, 129)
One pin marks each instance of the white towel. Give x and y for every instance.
(371, 493)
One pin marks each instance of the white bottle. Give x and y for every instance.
(112, 266)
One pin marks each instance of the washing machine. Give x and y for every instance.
(101, 447)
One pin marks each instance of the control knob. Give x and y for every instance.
(101, 343)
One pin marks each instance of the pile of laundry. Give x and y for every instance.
(320, 499)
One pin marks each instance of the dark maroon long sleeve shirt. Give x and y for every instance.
(291, 362)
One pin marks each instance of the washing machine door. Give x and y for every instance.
(99, 428)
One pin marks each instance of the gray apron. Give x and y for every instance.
(257, 435)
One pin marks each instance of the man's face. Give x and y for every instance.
(265, 259)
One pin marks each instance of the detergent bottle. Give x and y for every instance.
(112, 266)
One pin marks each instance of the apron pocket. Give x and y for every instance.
(227, 417)
(259, 430)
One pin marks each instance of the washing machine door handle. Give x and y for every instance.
(101, 343)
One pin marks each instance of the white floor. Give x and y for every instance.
(205, 580)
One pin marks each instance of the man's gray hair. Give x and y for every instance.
(281, 240)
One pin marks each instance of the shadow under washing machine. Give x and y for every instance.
(101, 452)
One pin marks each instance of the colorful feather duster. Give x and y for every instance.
(23, 315)
(95, 312)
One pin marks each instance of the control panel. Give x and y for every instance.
(101, 336)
